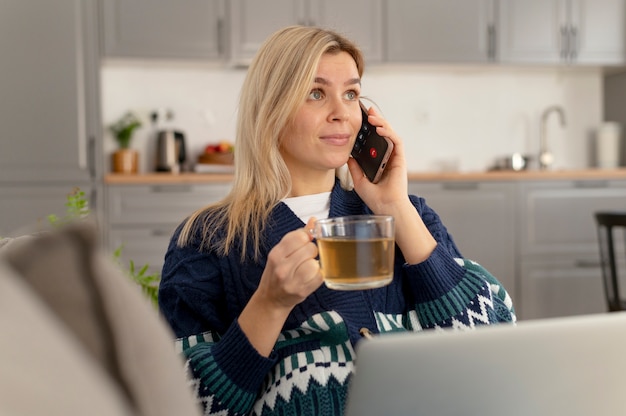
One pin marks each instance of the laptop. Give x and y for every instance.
(558, 366)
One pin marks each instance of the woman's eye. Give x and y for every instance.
(316, 95)
(351, 95)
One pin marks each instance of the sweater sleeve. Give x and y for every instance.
(225, 369)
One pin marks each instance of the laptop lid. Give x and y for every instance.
(558, 366)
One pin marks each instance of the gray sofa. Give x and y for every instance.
(77, 335)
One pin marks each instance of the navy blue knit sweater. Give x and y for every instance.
(308, 373)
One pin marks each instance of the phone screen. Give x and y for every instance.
(371, 150)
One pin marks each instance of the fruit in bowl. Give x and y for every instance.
(218, 153)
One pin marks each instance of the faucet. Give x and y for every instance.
(545, 156)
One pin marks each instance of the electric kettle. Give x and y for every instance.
(171, 155)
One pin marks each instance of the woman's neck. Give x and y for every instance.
(312, 184)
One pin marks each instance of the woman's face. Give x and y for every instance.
(324, 129)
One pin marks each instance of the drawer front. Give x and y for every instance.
(141, 246)
(158, 204)
(480, 218)
(560, 219)
(562, 287)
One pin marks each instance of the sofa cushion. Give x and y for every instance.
(106, 314)
(45, 369)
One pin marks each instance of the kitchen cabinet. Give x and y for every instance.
(49, 84)
(480, 216)
(50, 108)
(25, 207)
(537, 236)
(188, 29)
(441, 31)
(562, 31)
(253, 21)
(142, 218)
(561, 287)
(558, 254)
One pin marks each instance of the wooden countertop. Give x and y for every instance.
(530, 175)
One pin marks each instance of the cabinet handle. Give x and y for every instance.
(160, 233)
(588, 264)
(92, 198)
(591, 184)
(491, 42)
(171, 188)
(564, 42)
(220, 37)
(460, 186)
(573, 43)
(91, 157)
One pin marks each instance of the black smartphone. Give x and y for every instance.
(371, 150)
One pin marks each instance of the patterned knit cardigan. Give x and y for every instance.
(308, 373)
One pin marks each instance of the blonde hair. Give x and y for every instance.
(276, 85)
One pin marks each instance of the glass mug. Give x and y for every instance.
(356, 252)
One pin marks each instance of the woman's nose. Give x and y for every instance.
(339, 111)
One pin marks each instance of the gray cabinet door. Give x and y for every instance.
(562, 31)
(49, 108)
(141, 246)
(135, 205)
(360, 20)
(190, 29)
(25, 208)
(561, 287)
(480, 216)
(440, 31)
(142, 218)
(533, 31)
(559, 260)
(558, 216)
(253, 21)
(598, 31)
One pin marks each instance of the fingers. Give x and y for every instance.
(292, 272)
(382, 126)
(310, 227)
(356, 172)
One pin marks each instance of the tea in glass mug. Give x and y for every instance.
(356, 252)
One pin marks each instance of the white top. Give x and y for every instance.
(307, 206)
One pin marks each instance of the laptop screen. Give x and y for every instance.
(559, 366)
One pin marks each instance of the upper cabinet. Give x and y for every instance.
(562, 31)
(253, 21)
(588, 32)
(49, 112)
(441, 31)
(506, 31)
(165, 29)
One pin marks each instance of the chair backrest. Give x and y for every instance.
(606, 222)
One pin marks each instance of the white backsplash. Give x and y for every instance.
(449, 117)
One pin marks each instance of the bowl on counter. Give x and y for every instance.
(226, 158)
(514, 162)
(215, 163)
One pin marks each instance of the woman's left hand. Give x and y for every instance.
(393, 185)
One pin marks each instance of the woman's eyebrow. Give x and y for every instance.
(352, 81)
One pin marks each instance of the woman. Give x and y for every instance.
(241, 286)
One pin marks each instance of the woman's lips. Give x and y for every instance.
(336, 139)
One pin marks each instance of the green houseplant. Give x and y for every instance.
(125, 159)
(76, 209)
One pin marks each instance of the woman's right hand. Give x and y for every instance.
(291, 274)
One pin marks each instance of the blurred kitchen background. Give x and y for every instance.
(464, 117)
(464, 82)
